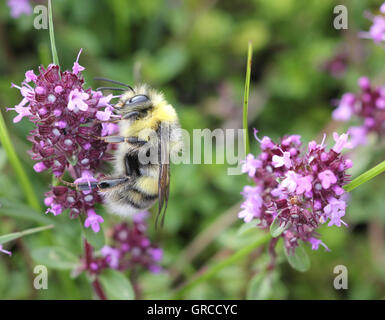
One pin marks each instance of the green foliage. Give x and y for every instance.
(16, 235)
(116, 285)
(276, 229)
(299, 260)
(194, 51)
(55, 258)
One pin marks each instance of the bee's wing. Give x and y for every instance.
(163, 181)
(163, 191)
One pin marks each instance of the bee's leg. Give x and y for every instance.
(83, 186)
(135, 140)
(118, 139)
(112, 139)
(102, 184)
(112, 182)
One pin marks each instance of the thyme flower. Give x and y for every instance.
(66, 135)
(297, 190)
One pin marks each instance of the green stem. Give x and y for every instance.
(17, 235)
(366, 176)
(55, 58)
(246, 99)
(219, 266)
(17, 166)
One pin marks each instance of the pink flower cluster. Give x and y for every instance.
(377, 29)
(368, 105)
(66, 135)
(299, 190)
(131, 248)
(19, 7)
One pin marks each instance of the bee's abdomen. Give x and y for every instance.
(142, 194)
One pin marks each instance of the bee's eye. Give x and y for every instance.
(141, 98)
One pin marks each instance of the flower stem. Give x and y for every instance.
(219, 266)
(98, 289)
(55, 58)
(366, 176)
(95, 283)
(246, 99)
(17, 166)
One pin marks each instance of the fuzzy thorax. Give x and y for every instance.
(161, 111)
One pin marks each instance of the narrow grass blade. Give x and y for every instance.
(55, 58)
(246, 99)
(17, 166)
(16, 235)
(365, 177)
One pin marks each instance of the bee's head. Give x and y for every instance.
(137, 103)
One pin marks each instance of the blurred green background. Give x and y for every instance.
(195, 52)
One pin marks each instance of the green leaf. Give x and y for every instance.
(16, 209)
(276, 229)
(15, 235)
(3, 158)
(55, 258)
(260, 287)
(248, 227)
(96, 239)
(116, 285)
(299, 260)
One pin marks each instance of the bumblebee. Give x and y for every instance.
(149, 131)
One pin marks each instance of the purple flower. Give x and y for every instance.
(358, 136)
(327, 178)
(157, 254)
(304, 184)
(368, 106)
(30, 76)
(21, 110)
(282, 161)
(337, 65)
(315, 244)
(301, 196)
(5, 251)
(265, 143)
(341, 142)
(112, 256)
(77, 101)
(77, 67)
(290, 182)
(39, 167)
(250, 210)
(250, 165)
(19, 7)
(130, 248)
(93, 220)
(345, 109)
(334, 211)
(65, 137)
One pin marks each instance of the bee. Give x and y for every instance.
(149, 132)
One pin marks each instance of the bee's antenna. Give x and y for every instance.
(110, 88)
(115, 82)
